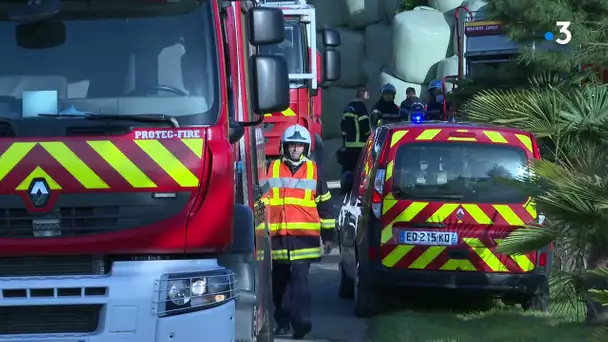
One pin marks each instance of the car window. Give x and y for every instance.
(459, 171)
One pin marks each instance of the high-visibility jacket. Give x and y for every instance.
(355, 125)
(300, 213)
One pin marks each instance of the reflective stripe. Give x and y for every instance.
(38, 173)
(328, 223)
(297, 254)
(13, 155)
(292, 183)
(291, 201)
(294, 226)
(323, 198)
(486, 255)
(359, 142)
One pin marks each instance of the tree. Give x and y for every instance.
(571, 187)
(527, 21)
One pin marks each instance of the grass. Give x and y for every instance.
(466, 320)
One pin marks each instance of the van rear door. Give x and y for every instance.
(445, 207)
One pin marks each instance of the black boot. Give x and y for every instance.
(282, 330)
(301, 330)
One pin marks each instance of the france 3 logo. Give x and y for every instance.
(564, 37)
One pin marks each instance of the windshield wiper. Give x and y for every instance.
(162, 118)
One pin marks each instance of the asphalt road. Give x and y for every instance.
(333, 318)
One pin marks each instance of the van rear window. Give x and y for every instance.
(458, 171)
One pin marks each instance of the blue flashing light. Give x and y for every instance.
(417, 118)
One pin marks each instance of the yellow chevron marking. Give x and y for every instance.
(13, 155)
(195, 145)
(525, 140)
(530, 207)
(38, 173)
(428, 134)
(496, 137)
(521, 260)
(443, 212)
(389, 202)
(389, 170)
(74, 165)
(486, 255)
(397, 136)
(395, 255)
(286, 112)
(168, 162)
(454, 265)
(477, 214)
(121, 164)
(427, 257)
(407, 215)
(508, 214)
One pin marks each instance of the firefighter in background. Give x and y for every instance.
(386, 110)
(356, 129)
(435, 109)
(300, 216)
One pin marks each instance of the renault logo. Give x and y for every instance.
(39, 192)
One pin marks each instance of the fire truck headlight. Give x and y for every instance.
(187, 292)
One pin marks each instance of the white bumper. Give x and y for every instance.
(126, 311)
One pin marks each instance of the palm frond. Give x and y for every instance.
(525, 240)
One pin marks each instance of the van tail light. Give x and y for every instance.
(535, 149)
(383, 160)
(543, 259)
(378, 192)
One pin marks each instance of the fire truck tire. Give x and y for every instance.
(538, 301)
(366, 297)
(347, 286)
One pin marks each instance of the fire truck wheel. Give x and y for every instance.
(347, 286)
(538, 301)
(365, 296)
(266, 333)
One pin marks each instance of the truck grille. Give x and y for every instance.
(71, 221)
(49, 319)
(40, 266)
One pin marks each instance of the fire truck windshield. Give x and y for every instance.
(113, 57)
(292, 48)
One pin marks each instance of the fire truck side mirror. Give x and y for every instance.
(331, 66)
(331, 38)
(270, 83)
(265, 26)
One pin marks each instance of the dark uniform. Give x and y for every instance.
(435, 110)
(386, 112)
(300, 214)
(356, 129)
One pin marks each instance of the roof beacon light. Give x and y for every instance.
(417, 118)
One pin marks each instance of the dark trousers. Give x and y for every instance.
(291, 279)
(351, 156)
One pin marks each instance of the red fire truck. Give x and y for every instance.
(306, 79)
(119, 122)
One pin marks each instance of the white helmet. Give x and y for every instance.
(296, 134)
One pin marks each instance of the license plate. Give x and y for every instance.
(429, 238)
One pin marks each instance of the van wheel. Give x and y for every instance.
(365, 296)
(538, 301)
(347, 286)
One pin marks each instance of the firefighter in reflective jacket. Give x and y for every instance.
(355, 128)
(300, 215)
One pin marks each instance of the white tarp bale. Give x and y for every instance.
(444, 5)
(378, 39)
(421, 38)
(389, 9)
(330, 167)
(386, 76)
(352, 51)
(447, 67)
(475, 5)
(362, 13)
(371, 68)
(331, 13)
(334, 101)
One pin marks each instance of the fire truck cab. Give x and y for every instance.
(123, 218)
(308, 73)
